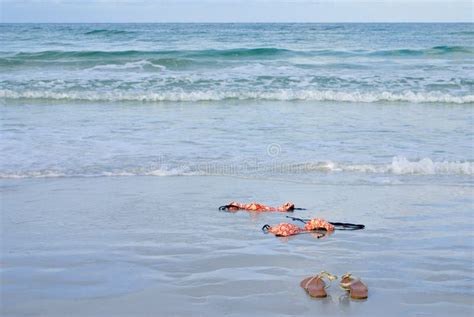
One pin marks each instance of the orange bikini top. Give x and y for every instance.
(234, 206)
(288, 229)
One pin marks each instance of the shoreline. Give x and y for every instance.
(141, 245)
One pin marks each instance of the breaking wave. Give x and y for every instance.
(398, 166)
(54, 173)
(140, 64)
(279, 95)
(207, 53)
(260, 52)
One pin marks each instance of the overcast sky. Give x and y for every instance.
(236, 11)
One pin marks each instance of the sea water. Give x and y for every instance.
(367, 123)
(164, 99)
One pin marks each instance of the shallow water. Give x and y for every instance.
(141, 245)
(240, 99)
(299, 141)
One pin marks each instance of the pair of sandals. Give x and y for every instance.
(316, 287)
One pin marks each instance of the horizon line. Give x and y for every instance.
(249, 22)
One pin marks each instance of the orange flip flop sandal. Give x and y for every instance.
(315, 286)
(356, 288)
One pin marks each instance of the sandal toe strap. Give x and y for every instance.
(352, 280)
(323, 274)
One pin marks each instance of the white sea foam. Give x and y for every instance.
(32, 174)
(398, 166)
(128, 66)
(402, 166)
(284, 95)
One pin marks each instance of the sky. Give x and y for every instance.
(236, 11)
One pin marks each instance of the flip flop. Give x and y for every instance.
(315, 286)
(356, 288)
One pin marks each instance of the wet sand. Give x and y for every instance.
(141, 246)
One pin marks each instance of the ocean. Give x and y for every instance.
(119, 141)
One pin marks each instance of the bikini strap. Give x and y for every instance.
(347, 226)
(266, 228)
(227, 207)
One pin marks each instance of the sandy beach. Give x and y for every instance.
(137, 246)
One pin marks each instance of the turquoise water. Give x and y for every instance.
(174, 99)
(193, 62)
